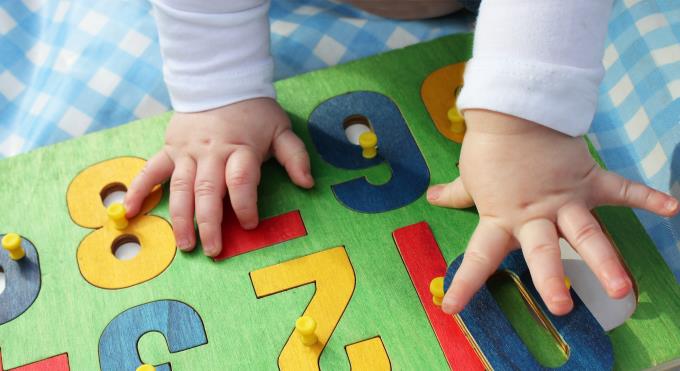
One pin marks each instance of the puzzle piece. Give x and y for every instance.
(333, 275)
(270, 231)
(22, 281)
(179, 323)
(410, 174)
(439, 95)
(55, 363)
(424, 261)
(588, 345)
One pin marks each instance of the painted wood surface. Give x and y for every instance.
(270, 231)
(180, 324)
(409, 173)
(424, 261)
(244, 332)
(22, 281)
(56, 363)
(585, 342)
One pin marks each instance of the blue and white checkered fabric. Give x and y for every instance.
(72, 67)
(637, 126)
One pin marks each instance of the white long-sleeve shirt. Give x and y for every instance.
(535, 59)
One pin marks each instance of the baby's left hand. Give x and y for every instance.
(530, 184)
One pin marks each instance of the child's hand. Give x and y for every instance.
(212, 152)
(531, 184)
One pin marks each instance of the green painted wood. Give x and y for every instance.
(244, 332)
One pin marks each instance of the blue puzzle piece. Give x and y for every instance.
(396, 146)
(180, 324)
(590, 348)
(22, 282)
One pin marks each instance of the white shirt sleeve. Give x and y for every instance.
(215, 52)
(540, 60)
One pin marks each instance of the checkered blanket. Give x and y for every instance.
(72, 67)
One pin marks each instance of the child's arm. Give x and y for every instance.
(218, 70)
(537, 61)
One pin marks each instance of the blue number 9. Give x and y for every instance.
(396, 147)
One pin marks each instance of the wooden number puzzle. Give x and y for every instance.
(338, 277)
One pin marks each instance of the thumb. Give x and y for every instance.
(450, 195)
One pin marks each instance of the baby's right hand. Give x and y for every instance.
(206, 154)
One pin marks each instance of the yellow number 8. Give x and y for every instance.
(96, 259)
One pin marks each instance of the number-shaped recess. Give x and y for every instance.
(587, 346)
(22, 281)
(96, 258)
(179, 323)
(439, 95)
(424, 261)
(56, 363)
(396, 147)
(332, 273)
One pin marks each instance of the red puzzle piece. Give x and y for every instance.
(270, 231)
(424, 261)
(56, 363)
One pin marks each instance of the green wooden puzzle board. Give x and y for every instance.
(244, 332)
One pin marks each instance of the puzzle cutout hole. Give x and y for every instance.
(2, 280)
(113, 193)
(356, 125)
(126, 247)
(542, 344)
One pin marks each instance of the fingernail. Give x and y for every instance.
(249, 226)
(183, 244)
(671, 204)
(561, 298)
(451, 306)
(434, 192)
(618, 284)
(209, 251)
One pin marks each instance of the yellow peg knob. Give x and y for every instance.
(116, 213)
(437, 290)
(369, 144)
(567, 282)
(146, 368)
(12, 243)
(456, 120)
(305, 326)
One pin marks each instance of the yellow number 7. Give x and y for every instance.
(332, 273)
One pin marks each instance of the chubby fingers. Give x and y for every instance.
(209, 190)
(540, 246)
(290, 151)
(182, 202)
(242, 178)
(613, 189)
(450, 195)
(156, 171)
(584, 233)
(485, 252)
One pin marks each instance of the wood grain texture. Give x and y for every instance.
(368, 355)
(396, 147)
(587, 345)
(180, 324)
(424, 261)
(270, 231)
(22, 281)
(70, 314)
(438, 93)
(56, 363)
